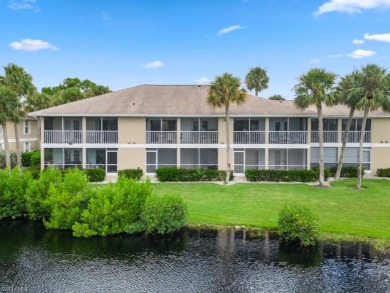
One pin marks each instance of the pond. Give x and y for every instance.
(33, 259)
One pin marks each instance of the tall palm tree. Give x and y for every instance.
(257, 79)
(346, 97)
(20, 82)
(8, 100)
(315, 88)
(225, 90)
(373, 87)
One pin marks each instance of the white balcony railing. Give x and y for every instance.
(199, 137)
(329, 136)
(161, 137)
(63, 136)
(104, 136)
(249, 137)
(288, 137)
(354, 136)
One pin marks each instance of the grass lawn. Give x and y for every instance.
(341, 209)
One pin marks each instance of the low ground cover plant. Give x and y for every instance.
(169, 174)
(383, 172)
(282, 175)
(135, 174)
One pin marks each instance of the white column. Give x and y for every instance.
(84, 134)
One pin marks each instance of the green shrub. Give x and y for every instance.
(164, 214)
(346, 171)
(13, 186)
(67, 200)
(115, 209)
(172, 174)
(35, 171)
(282, 175)
(36, 158)
(37, 193)
(298, 225)
(135, 174)
(2, 160)
(384, 172)
(96, 174)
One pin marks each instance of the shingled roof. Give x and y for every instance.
(172, 100)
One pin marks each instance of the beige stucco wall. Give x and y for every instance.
(131, 130)
(380, 159)
(31, 137)
(380, 130)
(131, 158)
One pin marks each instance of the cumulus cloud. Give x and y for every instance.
(203, 80)
(351, 6)
(32, 45)
(359, 54)
(153, 64)
(378, 37)
(229, 29)
(358, 42)
(335, 56)
(23, 5)
(315, 61)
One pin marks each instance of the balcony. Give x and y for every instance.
(102, 136)
(63, 136)
(354, 136)
(329, 137)
(199, 137)
(288, 137)
(249, 137)
(161, 137)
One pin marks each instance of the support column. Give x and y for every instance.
(266, 151)
(308, 152)
(84, 134)
(42, 138)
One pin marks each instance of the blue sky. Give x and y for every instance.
(123, 43)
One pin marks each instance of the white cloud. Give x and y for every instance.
(23, 5)
(359, 54)
(315, 61)
(351, 6)
(32, 45)
(378, 37)
(335, 56)
(358, 42)
(153, 64)
(229, 29)
(203, 80)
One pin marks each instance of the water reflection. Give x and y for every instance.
(192, 261)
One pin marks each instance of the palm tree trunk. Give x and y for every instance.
(321, 141)
(227, 176)
(362, 134)
(17, 142)
(6, 146)
(345, 139)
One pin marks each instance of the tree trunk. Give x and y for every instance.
(227, 176)
(321, 141)
(345, 139)
(6, 146)
(362, 134)
(17, 142)
(256, 92)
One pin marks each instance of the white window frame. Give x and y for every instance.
(27, 147)
(27, 127)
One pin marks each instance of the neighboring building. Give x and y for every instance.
(152, 126)
(27, 135)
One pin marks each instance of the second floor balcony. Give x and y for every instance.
(288, 137)
(199, 137)
(161, 137)
(63, 136)
(249, 137)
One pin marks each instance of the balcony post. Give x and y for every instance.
(178, 130)
(266, 130)
(42, 138)
(84, 135)
(308, 139)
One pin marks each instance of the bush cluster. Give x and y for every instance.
(32, 158)
(384, 172)
(135, 174)
(185, 175)
(282, 175)
(2, 160)
(96, 174)
(65, 200)
(346, 171)
(298, 225)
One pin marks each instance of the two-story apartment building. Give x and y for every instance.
(27, 135)
(152, 126)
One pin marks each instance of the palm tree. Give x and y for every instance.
(373, 87)
(8, 100)
(346, 97)
(20, 82)
(315, 88)
(257, 79)
(225, 90)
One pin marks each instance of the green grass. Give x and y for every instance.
(341, 209)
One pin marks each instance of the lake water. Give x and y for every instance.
(35, 260)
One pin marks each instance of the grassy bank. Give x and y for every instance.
(342, 209)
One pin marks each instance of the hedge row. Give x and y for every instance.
(135, 174)
(186, 175)
(282, 175)
(384, 172)
(346, 171)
